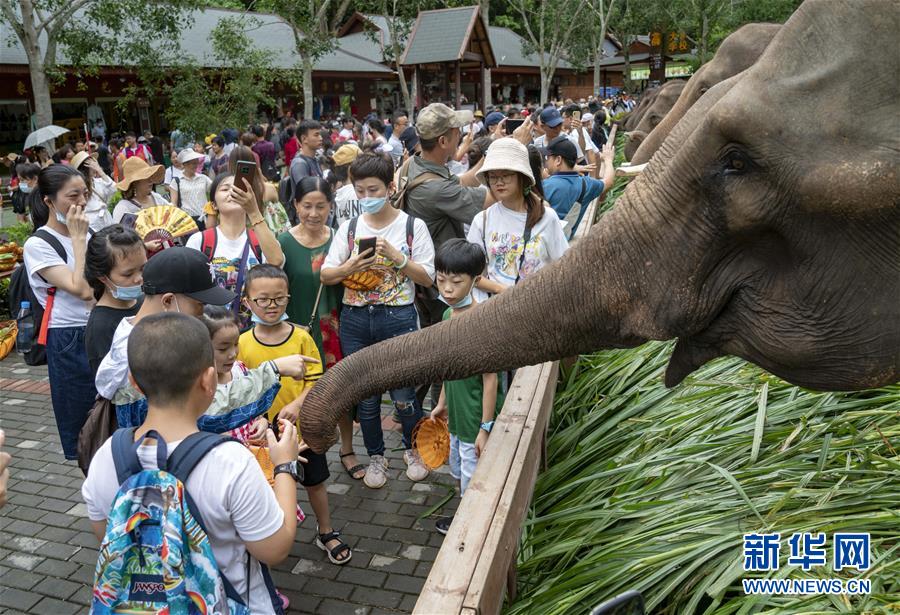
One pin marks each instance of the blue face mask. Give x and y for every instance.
(462, 303)
(24, 188)
(372, 204)
(127, 293)
(259, 321)
(59, 217)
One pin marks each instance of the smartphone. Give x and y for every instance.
(576, 115)
(512, 125)
(367, 243)
(244, 173)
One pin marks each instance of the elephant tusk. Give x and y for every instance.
(630, 170)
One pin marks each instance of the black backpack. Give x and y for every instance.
(20, 290)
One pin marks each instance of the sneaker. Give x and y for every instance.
(415, 468)
(443, 525)
(376, 473)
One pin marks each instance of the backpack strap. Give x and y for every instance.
(124, 452)
(54, 243)
(254, 244)
(351, 232)
(208, 243)
(410, 230)
(178, 189)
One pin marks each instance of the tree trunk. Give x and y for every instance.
(627, 56)
(486, 83)
(546, 78)
(597, 57)
(40, 88)
(704, 37)
(307, 89)
(407, 99)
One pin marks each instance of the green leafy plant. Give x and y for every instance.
(18, 232)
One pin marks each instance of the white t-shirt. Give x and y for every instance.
(68, 310)
(194, 193)
(171, 173)
(346, 204)
(112, 374)
(126, 207)
(96, 209)
(346, 134)
(541, 141)
(234, 499)
(395, 288)
(503, 237)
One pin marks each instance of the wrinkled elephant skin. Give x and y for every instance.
(767, 227)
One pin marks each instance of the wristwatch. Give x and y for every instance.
(488, 426)
(291, 467)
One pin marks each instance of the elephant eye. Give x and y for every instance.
(736, 162)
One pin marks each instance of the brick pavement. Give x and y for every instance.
(47, 550)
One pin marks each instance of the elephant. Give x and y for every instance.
(739, 51)
(768, 227)
(665, 99)
(632, 119)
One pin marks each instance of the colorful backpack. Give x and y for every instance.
(156, 556)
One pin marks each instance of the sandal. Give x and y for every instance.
(351, 471)
(323, 539)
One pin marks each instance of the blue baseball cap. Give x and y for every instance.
(551, 117)
(493, 118)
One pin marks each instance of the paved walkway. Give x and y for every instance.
(47, 550)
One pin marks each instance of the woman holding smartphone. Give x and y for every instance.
(240, 240)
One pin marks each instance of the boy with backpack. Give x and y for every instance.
(199, 534)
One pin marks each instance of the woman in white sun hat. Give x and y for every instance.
(191, 190)
(520, 233)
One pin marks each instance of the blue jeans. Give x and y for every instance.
(368, 325)
(71, 384)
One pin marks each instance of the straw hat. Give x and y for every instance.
(78, 158)
(135, 169)
(506, 154)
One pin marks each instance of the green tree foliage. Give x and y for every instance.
(203, 101)
(89, 34)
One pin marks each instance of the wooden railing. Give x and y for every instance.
(477, 561)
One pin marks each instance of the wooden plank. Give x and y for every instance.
(447, 584)
(486, 589)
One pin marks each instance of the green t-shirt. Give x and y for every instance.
(463, 398)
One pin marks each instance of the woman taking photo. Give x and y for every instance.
(520, 233)
(266, 193)
(240, 240)
(54, 261)
(114, 268)
(101, 186)
(312, 303)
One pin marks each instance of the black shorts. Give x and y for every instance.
(315, 470)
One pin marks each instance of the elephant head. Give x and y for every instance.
(738, 52)
(768, 227)
(630, 121)
(664, 100)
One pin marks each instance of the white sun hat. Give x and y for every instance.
(506, 154)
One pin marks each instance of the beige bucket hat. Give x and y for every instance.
(506, 154)
(135, 169)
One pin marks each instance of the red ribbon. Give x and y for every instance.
(45, 323)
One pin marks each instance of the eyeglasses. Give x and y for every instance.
(265, 302)
(502, 179)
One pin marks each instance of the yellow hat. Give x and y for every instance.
(346, 154)
(135, 169)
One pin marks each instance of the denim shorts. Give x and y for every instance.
(462, 462)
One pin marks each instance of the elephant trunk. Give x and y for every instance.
(528, 324)
(633, 140)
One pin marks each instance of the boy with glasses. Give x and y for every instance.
(272, 336)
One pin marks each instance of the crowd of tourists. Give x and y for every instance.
(314, 240)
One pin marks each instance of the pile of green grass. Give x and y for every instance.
(652, 489)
